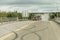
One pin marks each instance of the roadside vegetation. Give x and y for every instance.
(8, 16)
(15, 16)
(54, 15)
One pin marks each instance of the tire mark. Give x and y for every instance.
(30, 32)
(16, 35)
(33, 32)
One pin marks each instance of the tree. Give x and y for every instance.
(12, 14)
(20, 15)
(3, 14)
(31, 15)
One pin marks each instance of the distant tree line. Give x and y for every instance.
(54, 15)
(11, 14)
(31, 15)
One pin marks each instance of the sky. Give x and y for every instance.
(30, 5)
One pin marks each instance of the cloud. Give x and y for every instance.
(30, 8)
(27, 1)
(32, 5)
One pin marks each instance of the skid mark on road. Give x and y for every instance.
(14, 32)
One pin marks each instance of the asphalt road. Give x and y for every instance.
(40, 30)
(8, 27)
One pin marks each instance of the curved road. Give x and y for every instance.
(39, 30)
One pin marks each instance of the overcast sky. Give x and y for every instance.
(34, 5)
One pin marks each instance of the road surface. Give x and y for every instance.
(40, 30)
(8, 27)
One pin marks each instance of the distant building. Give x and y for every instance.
(37, 16)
